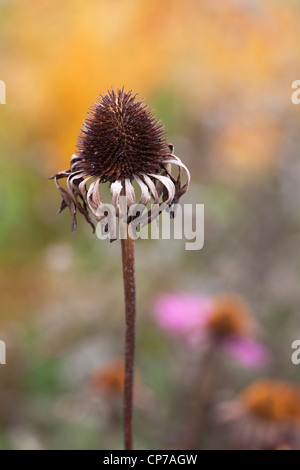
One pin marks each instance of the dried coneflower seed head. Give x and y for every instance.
(121, 138)
(273, 400)
(121, 142)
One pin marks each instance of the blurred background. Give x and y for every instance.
(219, 75)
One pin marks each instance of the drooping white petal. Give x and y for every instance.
(176, 161)
(83, 189)
(75, 160)
(70, 181)
(168, 183)
(168, 167)
(61, 174)
(152, 188)
(90, 200)
(129, 191)
(145, 195)
(95, 202)
(90, 191)
(115, 189)
(96, 194)
(157, 208)
(70, 197)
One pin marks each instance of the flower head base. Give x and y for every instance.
(121, 141)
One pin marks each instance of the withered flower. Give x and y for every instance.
(121, 141)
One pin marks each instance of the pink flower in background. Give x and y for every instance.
(181, 314)
(247, 351)
(224, 321)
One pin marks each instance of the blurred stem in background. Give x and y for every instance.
(202, 389)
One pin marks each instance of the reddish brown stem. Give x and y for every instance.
(130, 311)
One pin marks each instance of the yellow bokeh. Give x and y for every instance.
(210, 55)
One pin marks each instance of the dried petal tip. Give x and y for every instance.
(121, 138)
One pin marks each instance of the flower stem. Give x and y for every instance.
(130, 313)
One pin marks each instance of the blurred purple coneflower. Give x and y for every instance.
(223, 322)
